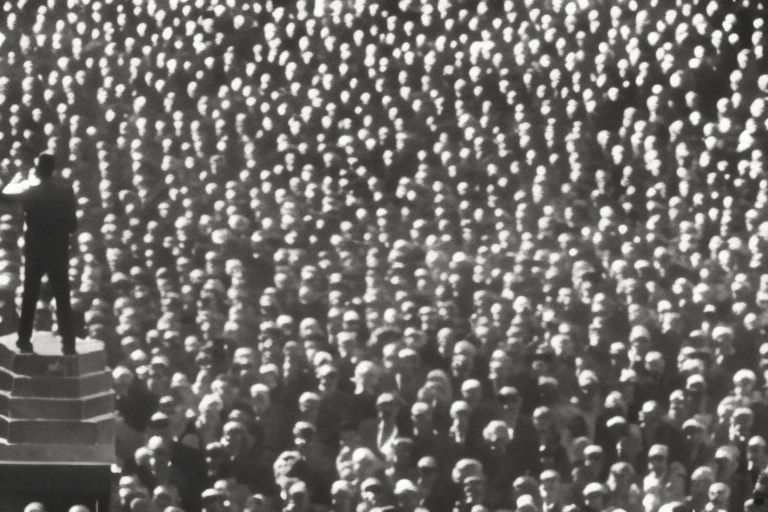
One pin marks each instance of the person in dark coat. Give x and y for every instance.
(50, 215)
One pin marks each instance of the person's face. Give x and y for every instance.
(700, 486)
(372, 495)
(594, 501)
(473, 491)
(408, 500)
(549, 485)
(718, 495)
(233, 438)
(622, 477)
(422, 419)
(341, 500)
(308, 407)
(509, 402)
(428, 318)
(426, 475)
(657, 463)
(670, 322)
(756, 453)
(693, 436)
(328, 382)
(594, 461)
(588, 388)
(415, 340)
(298, 500)
(260, 403)
(212, 410)
(303, 442)
(163, 500)
(402, 453)
(386, 410)
(565, 297)
(744, 387)
(223, 389)
(460, 365)
(741, 425)
(542, 422)
(445, 343)
(649, 417)
(159, 460)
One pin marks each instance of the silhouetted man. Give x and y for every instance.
(49, 211)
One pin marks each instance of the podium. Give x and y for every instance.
(57, 431)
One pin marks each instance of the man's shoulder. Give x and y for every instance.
(53, 185)
(61, 184)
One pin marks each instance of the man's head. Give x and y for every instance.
(45, 165)
(658, 456)
(719, 493)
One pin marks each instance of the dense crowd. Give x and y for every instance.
(413, 256)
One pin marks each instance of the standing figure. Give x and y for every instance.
(49, 212)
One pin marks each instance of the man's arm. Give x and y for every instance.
(15, 189)
(11, 194)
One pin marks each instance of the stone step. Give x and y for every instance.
(97, 430)
(46, 408)
(48, 360)
(52, 366)
(54, 387)
(54, 453)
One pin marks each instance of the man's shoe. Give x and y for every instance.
(25, 347)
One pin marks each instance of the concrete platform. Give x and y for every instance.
(48, 359)
(54, 387)
(55, 409)
(96, 430)
(56, 454)
(79, 408)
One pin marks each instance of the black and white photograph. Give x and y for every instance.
(383, 256)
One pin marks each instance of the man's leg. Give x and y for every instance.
(33, 273)
(59, 276)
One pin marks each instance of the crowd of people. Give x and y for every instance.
(408, 255)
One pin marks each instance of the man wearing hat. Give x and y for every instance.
(50, 216)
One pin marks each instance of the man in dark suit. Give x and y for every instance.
(49, 211)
